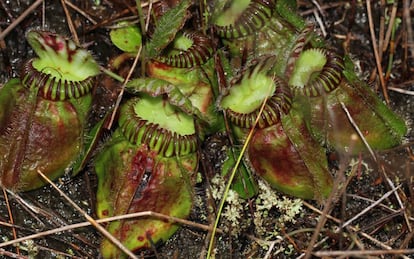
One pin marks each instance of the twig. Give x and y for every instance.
(90, 219)
(2, 42)
(318, 18)
(386, 195)
(399, 90)
(70, 22)
(376, 54)
(20, 19)
(407, 18)
(57, 253)
(354, 124)
(121, 93)
(365, 235)
(324, 7)
(359, 253)
(84, 14)
(105, 220)
(10, 217)
(12, 255)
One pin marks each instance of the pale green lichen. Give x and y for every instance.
(30, 247)
(234, 208)
(357, 163)
(217, 187)
(268, 199)
(198, 205)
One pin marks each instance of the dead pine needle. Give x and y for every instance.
(106, 220)
(353, 123)
(386, 195)
(376, 52)
(20, 19)
(121, 93)
(10, 217)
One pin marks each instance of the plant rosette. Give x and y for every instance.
(148, 165)
(281, 149)
(43, 114)
(255, 28)
(317, 76)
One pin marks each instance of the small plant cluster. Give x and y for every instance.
(256, 72)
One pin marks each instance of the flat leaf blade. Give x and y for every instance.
(168, 26)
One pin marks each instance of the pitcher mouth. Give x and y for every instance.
(253, 18)
(53, 88)
(174, 138)
(247, 93)
(279, 103)
(195, 50)
(62, 69)
(321, 75)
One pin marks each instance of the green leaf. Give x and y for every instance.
(8, 96)
(243, 183)
(91, 139)
(126, 38)
(168, 26)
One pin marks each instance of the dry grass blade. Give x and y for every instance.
(10, 217)
(403, 91)
(84, 14)
(353, 123)
(337, 189)
(397, 197)
(70, 22)
(338, 221)
(121, 93)
(407, 8)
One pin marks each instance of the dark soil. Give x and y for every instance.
(388, 226)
